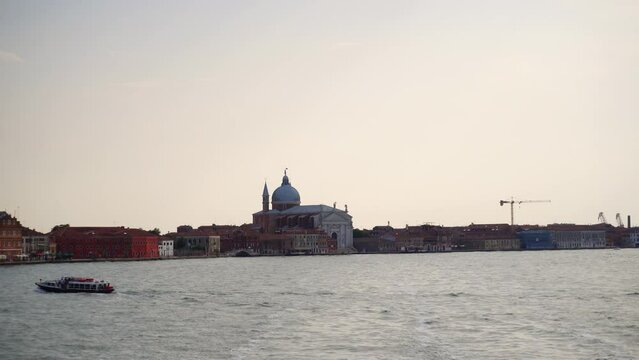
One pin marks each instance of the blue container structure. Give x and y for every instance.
(536, 239)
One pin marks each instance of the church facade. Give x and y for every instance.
(287, 214)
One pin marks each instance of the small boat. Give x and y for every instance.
(70, 284)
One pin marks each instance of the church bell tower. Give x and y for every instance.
(265, 198)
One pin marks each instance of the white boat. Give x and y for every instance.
(71, 284)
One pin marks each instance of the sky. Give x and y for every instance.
(155, 114)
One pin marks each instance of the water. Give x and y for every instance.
(504, 305)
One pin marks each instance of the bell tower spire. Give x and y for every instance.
(265, 198)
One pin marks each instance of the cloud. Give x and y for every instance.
(9, 57)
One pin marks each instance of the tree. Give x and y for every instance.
(155, 231)
(61, 226)
(357, 233)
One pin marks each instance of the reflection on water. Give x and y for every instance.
(548, 304)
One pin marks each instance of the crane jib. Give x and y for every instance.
(512, 203)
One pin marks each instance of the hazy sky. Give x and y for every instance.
(148, 114)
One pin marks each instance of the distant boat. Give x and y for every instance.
(75, 284)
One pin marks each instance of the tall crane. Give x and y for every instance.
(619, 221)
(512, 203)
(602, 218)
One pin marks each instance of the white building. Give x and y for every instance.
(165, 248)
(34, 242)
(334, 222)
(579, 239)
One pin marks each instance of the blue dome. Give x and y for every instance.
(286, 194)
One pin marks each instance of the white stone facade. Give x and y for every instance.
(35, 243)
(339, 227)
(166, 248)
(336, 223)
(579, 239)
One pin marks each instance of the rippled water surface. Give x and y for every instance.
(505, 305)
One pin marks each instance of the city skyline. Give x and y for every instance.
(158, 115)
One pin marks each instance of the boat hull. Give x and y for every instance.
(61, 290)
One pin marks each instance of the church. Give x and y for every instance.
(288, 214)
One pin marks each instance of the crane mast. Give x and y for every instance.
(512, 203)
(602, 218)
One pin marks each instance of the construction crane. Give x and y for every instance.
(602, 218)
(619, 221)
(512, 203)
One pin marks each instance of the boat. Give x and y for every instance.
(69, 284)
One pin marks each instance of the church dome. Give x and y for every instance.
(285, 196)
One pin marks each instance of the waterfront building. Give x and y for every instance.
(633, 237)
(195, 243)
(165, 247)
(225, 232)
(486, 237)
(271, 244)
(105, 242)
(312, 243)
(579, 239)
(245, 240)
(288, 214)
(502, 244)
(387, 233)
(572, 236)
(10, 237)
(35, 244)
(373, 245)
(386, 239)
(424, 238)
(536, 239)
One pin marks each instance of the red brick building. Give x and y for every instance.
(10, 237)
(486, 237)
(231, 237)
(423, 238)
(251, 241)
(105, 242)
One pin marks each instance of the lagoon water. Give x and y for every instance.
(581, 304)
